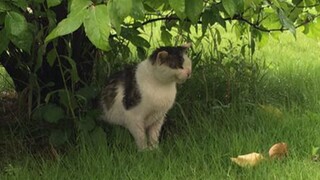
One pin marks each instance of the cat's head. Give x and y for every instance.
(172, 63)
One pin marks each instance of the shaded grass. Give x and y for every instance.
(200, 139)
(201, 151)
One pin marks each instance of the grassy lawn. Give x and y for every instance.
(198, 142)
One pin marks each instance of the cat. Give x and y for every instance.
(139, 97)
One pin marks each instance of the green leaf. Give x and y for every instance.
(179, 6)
(53, 113)
(66, 26)
(122, 7)
(115, 19)
(51, 57)
(118, 10)
(24, 41)
(132, 35)
(15, 23)
(4, 40)
(73, 21)
(194, 9)
(52, 3)
(137, 10)
(207, 18)
(58, 137)
(286, 22)
(79, 5)
(233, 6)
(139, 41)
(17, 28)
(97, 27)
(312, 30)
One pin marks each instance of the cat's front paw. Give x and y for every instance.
(149, 148)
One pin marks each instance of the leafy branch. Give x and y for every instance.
(236, 17)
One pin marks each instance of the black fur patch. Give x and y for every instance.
(174, 59)
(127, 79)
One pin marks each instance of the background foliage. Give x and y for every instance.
(58, 53)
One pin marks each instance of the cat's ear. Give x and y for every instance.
(187, 45)
(162, 56)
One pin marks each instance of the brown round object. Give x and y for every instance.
(278, 150)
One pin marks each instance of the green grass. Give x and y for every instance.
(200, 139)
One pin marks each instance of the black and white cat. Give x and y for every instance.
(139, 97)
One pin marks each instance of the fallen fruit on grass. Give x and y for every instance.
(248, 160)
(278, 150)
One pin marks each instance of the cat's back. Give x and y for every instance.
(121, 89)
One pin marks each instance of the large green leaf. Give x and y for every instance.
(79, 10)
(66, 26)
(97, 26)
(15, 23)
(233, 6)
(137, 11)
(17, 29)
(179, 6)
(194, 9)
